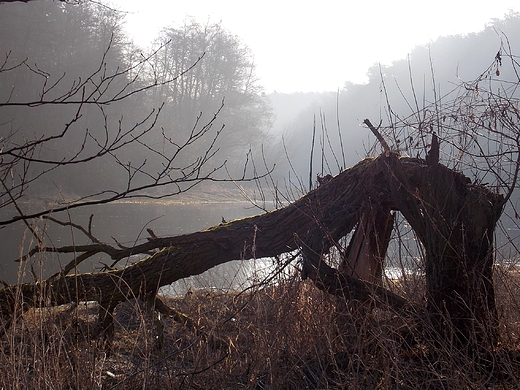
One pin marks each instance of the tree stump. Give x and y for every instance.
(455, 221)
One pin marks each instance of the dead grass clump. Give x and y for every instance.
(288, 336)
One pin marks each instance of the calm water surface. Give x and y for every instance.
(123, 223)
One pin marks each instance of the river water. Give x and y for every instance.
(126, 224)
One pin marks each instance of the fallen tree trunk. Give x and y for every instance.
(265, 235)
(447, 222)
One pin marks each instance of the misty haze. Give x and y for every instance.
(207, 232)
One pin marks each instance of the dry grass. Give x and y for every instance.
(284, 336)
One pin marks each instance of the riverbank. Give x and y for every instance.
(287, 335)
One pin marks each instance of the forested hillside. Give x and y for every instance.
(393, 92)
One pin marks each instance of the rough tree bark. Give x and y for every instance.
(453, 219)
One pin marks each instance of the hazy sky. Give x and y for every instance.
(307, 46)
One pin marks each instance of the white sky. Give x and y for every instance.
(317, 46)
